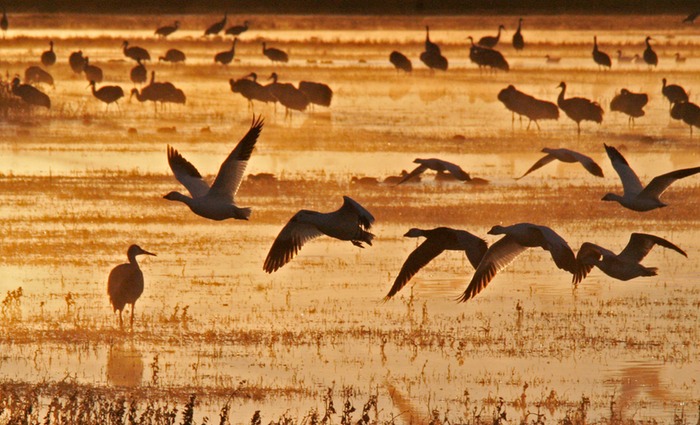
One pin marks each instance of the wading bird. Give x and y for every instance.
(518, 41)
(139, 73)
(34, 74)
(289, 96)
(440, 166)
(92, 72)
(487, 57)
(349, 223)
(680, 59)
(552, 59)
(400, 61)
(317, 93)
(579, 108)
(436, 241)
(688, 112)
(625, 265)
(226, 56)
(4, 22)
(166, 30)
(237, 29)
(249, 88)
(125, 283)
(216, 27)
(218, 201)
(173, 56)
(30, 94)
(135, 52)
(629, 103)
(601, 58)
(635, 196)
(107, 94)
(565, 155)
(518, 238)
(491, 41)
(649, 55)
(673, 92)
(430, 47)
(77, 62)
(525, 105)
(275, 55)
(48, 57)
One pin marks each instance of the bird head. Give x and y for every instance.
(497, 230)
(561, 85)
(92, 84)
(175, 196)
(135, 250)
(273, 77)
(413, 233)
(125, 44)
(502, 27)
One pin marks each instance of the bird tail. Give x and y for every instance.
(364, 236)
(243, 213)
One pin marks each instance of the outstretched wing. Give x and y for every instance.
(289, 241)
(586, 258)
(416, 171)
(539, 164)
(456, 171)
(421, 256)
(659, 184)
(640, 245)
(364, 218)
(498, 256)
(561, 253)
(587, 162)
(231, 172)
(630, 182)
(187, 174)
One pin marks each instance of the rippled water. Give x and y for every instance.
(78, 189)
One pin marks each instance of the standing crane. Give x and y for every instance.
(518, 41)
(601, 58)
(216, 27)
(166, 30)
(275, 55)
(48, 58)
(649, 55)
(579, 108)
(125, 283)
(226, 56)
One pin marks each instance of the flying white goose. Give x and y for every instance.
(215, 202)
(518, 238)
(565, 155)
(349, 223)
(625, 265)
(635, 196)
(440, 166)
(436, 241)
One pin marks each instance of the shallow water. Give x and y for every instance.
(78, 189)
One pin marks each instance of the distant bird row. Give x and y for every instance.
(292, 98)
(603, 59)
(581, 109)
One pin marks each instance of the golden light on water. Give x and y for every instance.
(79, 187)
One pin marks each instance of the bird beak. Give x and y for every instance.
(148, 253)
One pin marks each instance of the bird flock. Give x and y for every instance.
(292, 98)
(352, 221)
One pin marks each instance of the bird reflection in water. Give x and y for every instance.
(124, 365)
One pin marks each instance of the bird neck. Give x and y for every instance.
(562, 94)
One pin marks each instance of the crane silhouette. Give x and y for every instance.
(217, 27)
(135, 52)
(4, 22)
(630, 104)
(125, 283)
(688, 112)
(226, 56)
(289, 96)
(237, 29)
(400, 61)
(674, 93)
(166, 30)
(518, 41)
(275, 55)
(487, 57)
(317, 93)
(649, 55)
(173, 56)
(601, 58)
(139, 73)
(491, 41)
(525, 105)
(579, 108)
(92, 72)
(30, 94)
(48, 57)
(77, 62)
(249, 88)
(107, 94)
(35, 74)
(430, 47)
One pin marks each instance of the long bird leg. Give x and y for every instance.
(578, 125)
(121, 323)
(133, 307)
